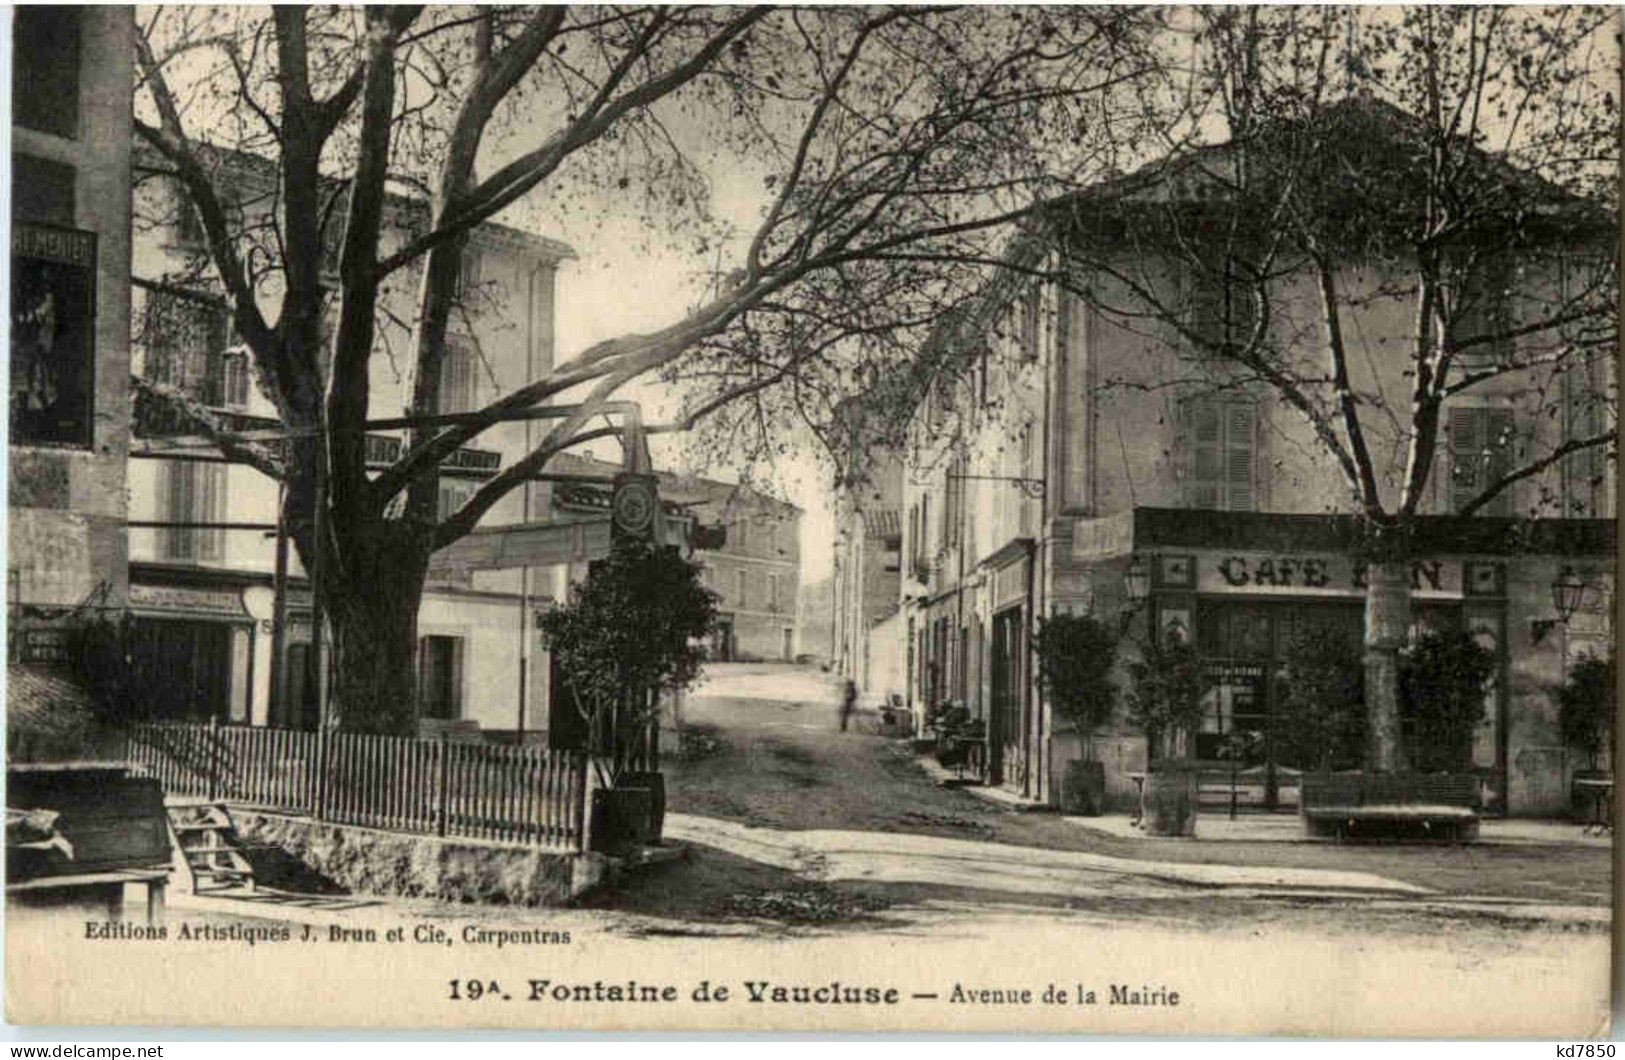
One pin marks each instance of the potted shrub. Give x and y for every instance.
(1319, 717)
(1585, 714)
(1442, 680)
(1076, 654)
(632, 631)
(1165, 695)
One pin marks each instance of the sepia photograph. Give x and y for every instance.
(985, 519)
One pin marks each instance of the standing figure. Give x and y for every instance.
(849, 700)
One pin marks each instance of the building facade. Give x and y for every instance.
(1076, 443)
(70, 320)
(201, 596)
(749, 546)
(868, 580)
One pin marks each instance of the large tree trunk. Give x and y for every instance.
(373, 612)
(1387, 622)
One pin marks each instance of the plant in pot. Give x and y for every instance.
(1076, 654)
(634, 630)
(1166, 687)
(1319, 714)
(1585, 714)
(1443, 676)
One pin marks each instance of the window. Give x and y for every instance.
(453, 495)
(1585, 415)
(772, 592)
(45, 70)
(192, 492)
(457, 377)
(1219, 438)
(1484, 312)
(743, 535)
(1027, 324)
(739, 589)
(440, 677)
(1025, 445)
(1221, 310)
(182, 337)
(953, 509)
(1480, 454)
(469, 268)
(235, 374)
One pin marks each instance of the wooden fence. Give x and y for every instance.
(505, 793)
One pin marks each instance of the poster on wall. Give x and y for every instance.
(53, 297)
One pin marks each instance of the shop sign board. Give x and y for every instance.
(1313, 574)
(226, 603)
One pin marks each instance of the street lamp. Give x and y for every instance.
(1568, 590)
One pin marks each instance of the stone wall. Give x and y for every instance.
(397, 864)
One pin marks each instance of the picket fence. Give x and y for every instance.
(505, 793)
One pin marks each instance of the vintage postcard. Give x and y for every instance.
(988, 519)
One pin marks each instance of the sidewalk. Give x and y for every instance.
(1219, 826)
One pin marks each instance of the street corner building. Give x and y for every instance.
(70, 346)
(1130, 425)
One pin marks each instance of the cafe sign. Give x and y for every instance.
(1313, 574)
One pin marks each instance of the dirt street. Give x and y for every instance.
(764, 748)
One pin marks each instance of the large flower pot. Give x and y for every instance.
(620, 819)
(1083, 788)
(1168, 802)
(655, 781)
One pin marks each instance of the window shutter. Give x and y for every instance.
(1205, 455)
(1238, 469)
(1498, 441)
(1466, 452)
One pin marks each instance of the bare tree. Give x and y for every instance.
(897, 142)
(1455, 168)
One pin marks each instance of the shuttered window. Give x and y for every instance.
(457, 377)
(453, 495)
(1585, 415)
(192, 492)
(1219, 440)
(1480, 454)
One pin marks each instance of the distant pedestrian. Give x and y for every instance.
(849, 700)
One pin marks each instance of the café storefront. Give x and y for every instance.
(1246, 586)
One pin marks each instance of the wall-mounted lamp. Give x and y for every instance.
(1137, 580)
(1568, 591)
(1136, 587)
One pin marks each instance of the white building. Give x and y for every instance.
(201, 597)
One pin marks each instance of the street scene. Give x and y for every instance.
(807, 503)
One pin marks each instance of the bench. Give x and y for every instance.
(108, 830)
(1410, 807)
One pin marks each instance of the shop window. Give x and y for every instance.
(45, 52)
(1480, 455)
(1219, 437)
(457, 377)
(440, 677)
(53, 287)
(192, 492)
